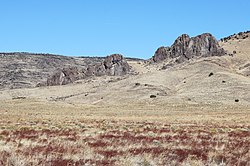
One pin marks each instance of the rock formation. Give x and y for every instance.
(65, 76)
(113, 65)
(185, 48)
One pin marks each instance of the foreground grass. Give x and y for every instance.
(34, 133)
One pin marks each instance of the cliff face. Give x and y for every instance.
(185, 48)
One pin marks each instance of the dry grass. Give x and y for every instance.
(37, 133)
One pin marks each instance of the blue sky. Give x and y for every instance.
(134, 28)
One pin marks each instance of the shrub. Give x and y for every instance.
(210, 74)
(137, 84)
(152, 96)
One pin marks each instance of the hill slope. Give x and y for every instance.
(205, 82)
(20, 70)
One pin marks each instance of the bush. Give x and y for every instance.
(152, 96)
(210, 74)
(236, 100)
(137, 84)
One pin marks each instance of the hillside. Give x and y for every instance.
(238, 46)
(204, 81)
(27, 70)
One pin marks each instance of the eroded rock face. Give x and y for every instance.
(185, 48)
(161, 54)
(113, 65)
(65, 76)
(116, 65)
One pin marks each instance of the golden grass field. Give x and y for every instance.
(51, 133)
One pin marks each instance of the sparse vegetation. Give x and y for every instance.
(77, 140)
(152, 96)
(240, 35)
(137, 84)
(210, 74)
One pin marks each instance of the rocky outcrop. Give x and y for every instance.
(113, 65)
(185, 48)
(27, 70)
(65, 76)
(161, 54)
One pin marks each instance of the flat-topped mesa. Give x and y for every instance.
(113, 65)
(185, 48)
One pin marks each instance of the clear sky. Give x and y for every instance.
(134, 28)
